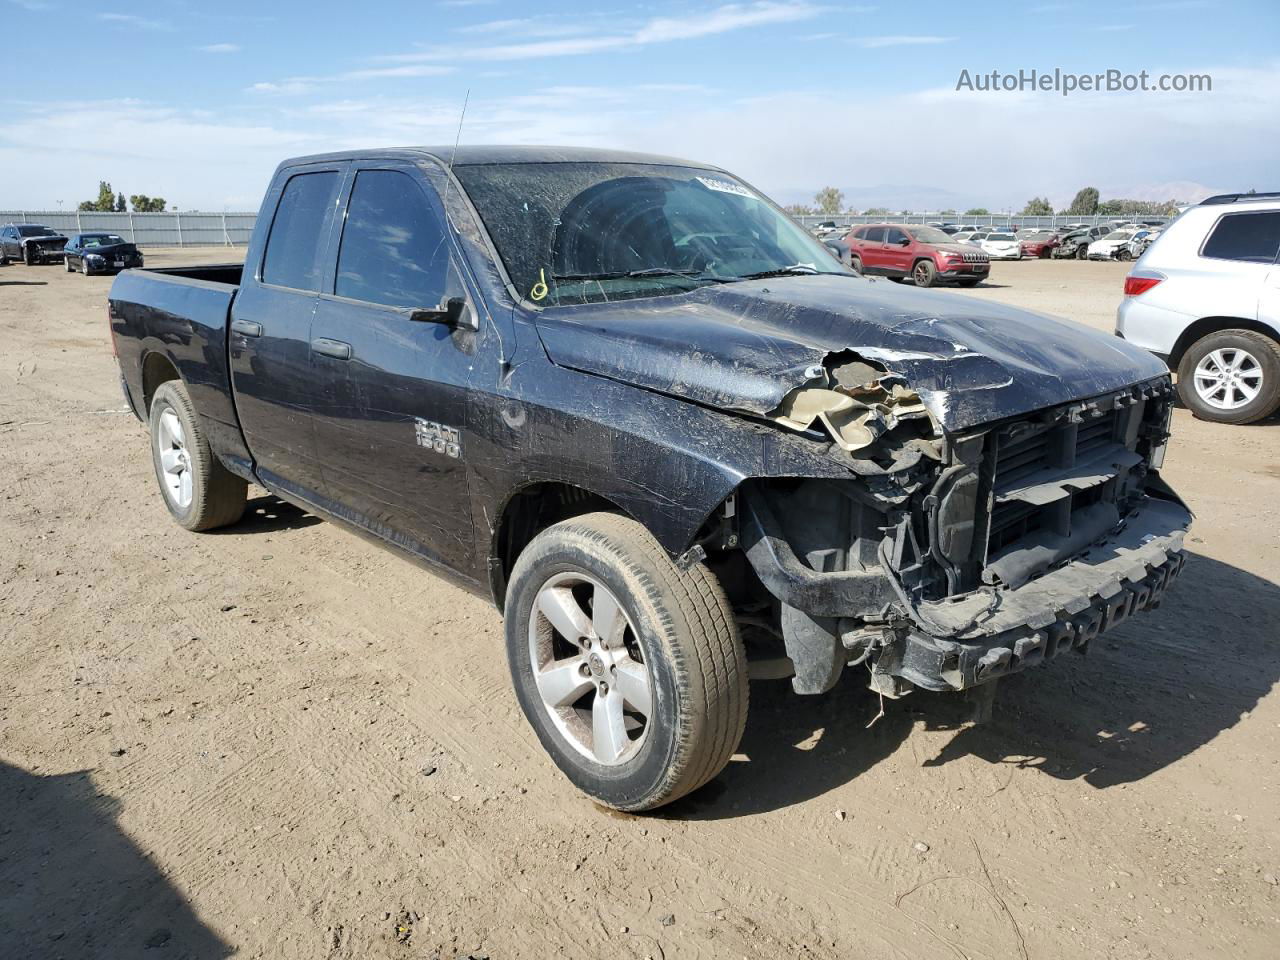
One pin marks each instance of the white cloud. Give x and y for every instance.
(293, 86)
(133, 20)
(900, 40)
(722, 19)
(220, 48)
(788, 143)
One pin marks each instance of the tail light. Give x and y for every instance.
(1135, 286)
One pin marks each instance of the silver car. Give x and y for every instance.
(1205, 296)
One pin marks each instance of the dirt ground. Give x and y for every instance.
(281, 741)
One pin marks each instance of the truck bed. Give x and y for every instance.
(223, 273)
(177, 317)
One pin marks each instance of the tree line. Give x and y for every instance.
(111, 202)
(1087, 203)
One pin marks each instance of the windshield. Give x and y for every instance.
(587, 232)
(1001, 237)
(101, 240)
(930, 235)
(34, 231)
(1119, 235)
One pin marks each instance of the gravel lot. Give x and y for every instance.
(281, 741)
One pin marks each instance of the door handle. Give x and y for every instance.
(332, 348)
(246, 328)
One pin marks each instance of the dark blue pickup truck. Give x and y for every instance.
(674, 441)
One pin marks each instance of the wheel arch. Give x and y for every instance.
(527, 512)
(157, 368)
(1207, 325)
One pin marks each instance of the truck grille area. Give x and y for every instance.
(1043, 489)
(1059, 482)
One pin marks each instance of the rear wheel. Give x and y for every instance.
(924, 273)
(1232, 376)
(629, 669)
(198, 490)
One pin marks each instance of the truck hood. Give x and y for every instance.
(743, 346)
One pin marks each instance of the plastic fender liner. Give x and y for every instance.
(845, 593)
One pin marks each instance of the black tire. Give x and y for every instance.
(217, 495)
(1082, 252)
(67, 261)
(1044, 254)
(924, 273)
(687, 636)
(856, 263)
(28, 257)
(1266, 356)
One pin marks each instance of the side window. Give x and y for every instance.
(1252, 237)
(874, 235)
(296, 240)
(393, 246)
(894, 235)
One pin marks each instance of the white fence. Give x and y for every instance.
(187, 229)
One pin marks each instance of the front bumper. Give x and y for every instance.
(1126, 573)
(958, 643)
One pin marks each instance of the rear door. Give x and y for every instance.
(392, 390)
(270, 336)
(873, 249)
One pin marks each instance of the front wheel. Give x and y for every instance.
(629, 669)
(67, 261)
(924, 273)
(198, 490)
(1082, 253)
(1232, 376)
(28, 257)
(856, 264)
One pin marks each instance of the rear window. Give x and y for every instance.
(297, 233)
(1251, 237)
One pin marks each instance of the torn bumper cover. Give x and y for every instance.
(960, 642)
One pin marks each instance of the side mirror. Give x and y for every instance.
(904, 242)
(451, 311)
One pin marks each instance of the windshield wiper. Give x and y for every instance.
(799, 269)
(661, 272)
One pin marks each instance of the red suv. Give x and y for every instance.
(926, 254)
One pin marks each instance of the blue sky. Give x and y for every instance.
(198, 102)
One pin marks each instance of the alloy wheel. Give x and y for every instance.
(589, 668)
(175, 459)
(1228, 378)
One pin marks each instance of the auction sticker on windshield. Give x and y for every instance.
(726, 186)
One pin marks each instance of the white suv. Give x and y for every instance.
(1205, 297)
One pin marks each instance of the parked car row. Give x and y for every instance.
(89, 253)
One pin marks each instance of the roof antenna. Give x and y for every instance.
(448, 184)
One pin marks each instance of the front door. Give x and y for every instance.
(392, 389)
(270, 336)
(897, 252)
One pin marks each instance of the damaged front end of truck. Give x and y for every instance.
(951, 559)
(980, 489)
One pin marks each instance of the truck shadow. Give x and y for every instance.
(1152, 692)
(269, 514)
(74, 885)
